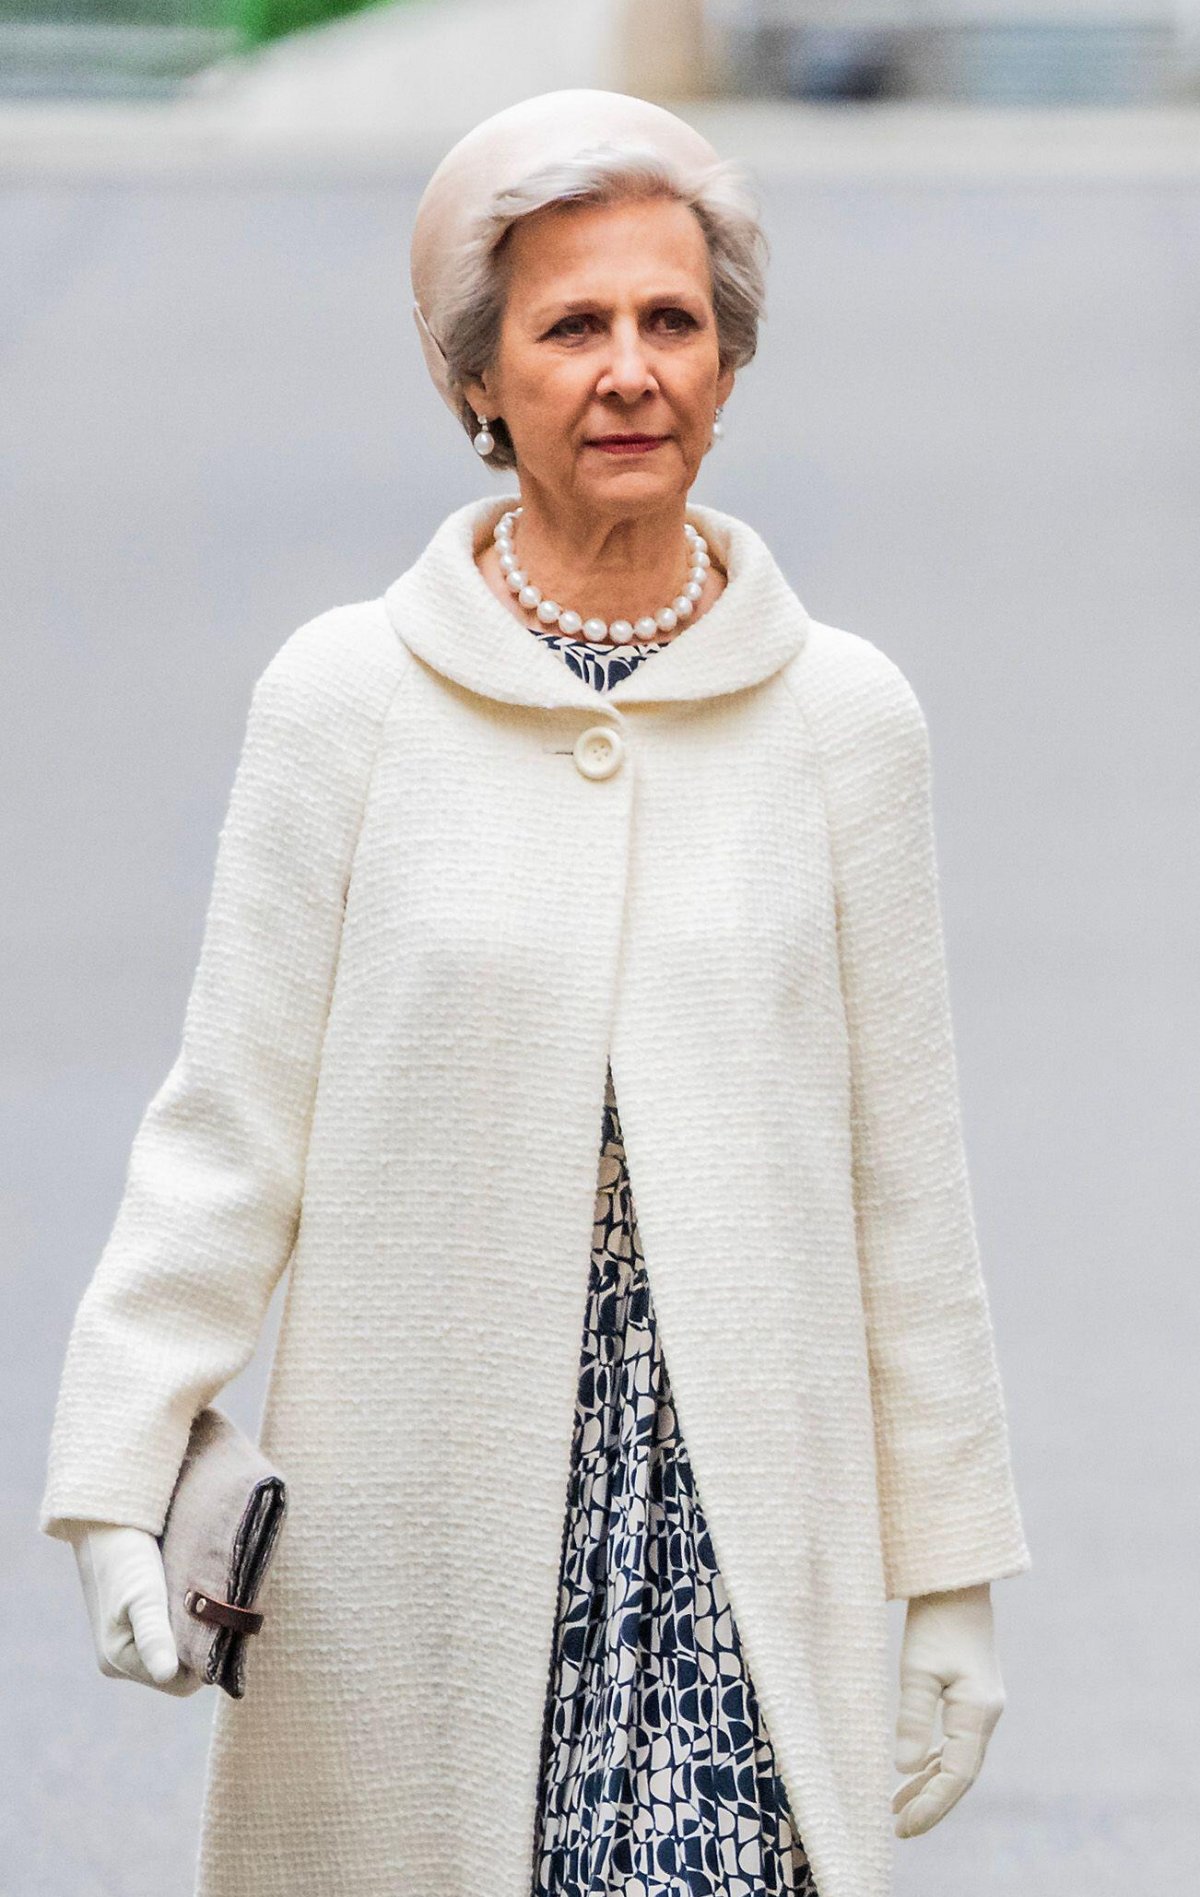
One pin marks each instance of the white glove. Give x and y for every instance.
(126, 1593)
(946, 1655)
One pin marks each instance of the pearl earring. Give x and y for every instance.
(717, 428)
(484, 441)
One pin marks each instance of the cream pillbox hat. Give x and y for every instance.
(499, 153)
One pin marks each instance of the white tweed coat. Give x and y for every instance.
(429, 928)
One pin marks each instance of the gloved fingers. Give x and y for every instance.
(928, 1802)
(183, 1685)
(137, 1633)
(905, 1793)
(150, 1621)
(969, 1715)
(125, 1591)
(919, 1696)
(112, 1636)
(120, 1659)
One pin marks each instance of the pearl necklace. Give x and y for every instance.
(621, 631)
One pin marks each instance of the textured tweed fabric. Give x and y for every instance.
(431, 933)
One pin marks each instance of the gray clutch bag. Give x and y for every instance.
(220, 1532)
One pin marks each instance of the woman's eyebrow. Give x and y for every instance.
(577, 305)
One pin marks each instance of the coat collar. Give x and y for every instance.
(444, 611)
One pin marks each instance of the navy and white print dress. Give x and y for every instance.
(657, 1777)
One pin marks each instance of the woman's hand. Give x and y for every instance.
(947, 1656)
(126, 1593)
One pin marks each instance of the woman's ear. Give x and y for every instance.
(476, 394)
(725, 382)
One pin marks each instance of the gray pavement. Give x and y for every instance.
(971, 435)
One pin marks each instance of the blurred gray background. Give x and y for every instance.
(972, 434)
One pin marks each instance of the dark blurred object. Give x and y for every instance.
(882, 49)
(782, 49)
(818, 61)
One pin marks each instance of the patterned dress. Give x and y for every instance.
(657, 1777)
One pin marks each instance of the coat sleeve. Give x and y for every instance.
(212, 1194)
(949, 1512)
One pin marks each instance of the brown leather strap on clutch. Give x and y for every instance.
(221, 1613)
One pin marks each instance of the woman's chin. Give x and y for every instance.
(650, 477)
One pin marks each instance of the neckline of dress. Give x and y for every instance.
(602, 668)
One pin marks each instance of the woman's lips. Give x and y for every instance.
(628, 444)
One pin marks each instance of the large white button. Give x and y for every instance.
(599, 750)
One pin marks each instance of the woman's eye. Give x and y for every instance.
(671, 318)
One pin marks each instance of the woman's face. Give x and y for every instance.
(608, 330)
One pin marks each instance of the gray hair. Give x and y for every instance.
(718, 193)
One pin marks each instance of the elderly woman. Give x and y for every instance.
(583, 835)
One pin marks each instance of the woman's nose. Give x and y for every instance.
(629, 371)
